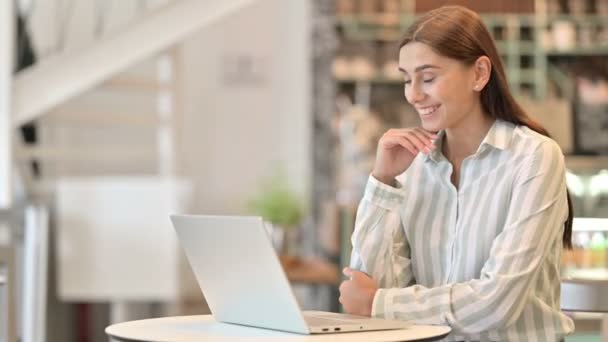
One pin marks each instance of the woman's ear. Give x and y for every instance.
(482, 70)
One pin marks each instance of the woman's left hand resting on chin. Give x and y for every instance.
(357, 293)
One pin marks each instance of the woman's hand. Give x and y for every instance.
(397, 149)
(357, 294)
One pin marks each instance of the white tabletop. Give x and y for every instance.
(204, 328)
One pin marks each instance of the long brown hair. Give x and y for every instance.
(458, 33)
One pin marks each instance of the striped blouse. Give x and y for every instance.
(483, 258)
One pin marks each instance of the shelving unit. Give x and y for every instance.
(536, 56)
(523, 40)
(525, 62)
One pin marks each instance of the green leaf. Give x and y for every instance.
(276, 203)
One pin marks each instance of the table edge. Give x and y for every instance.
(126, 339)
(428, 339)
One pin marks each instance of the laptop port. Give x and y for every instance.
(325, 329)
(336, 329)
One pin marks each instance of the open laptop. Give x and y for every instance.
(243, 281)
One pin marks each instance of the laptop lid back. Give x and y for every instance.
(238, 271)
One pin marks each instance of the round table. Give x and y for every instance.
(585, 290)
(205, 328)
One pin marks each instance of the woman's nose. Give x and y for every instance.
(414, 94)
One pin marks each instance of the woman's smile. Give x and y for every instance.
(427, 112)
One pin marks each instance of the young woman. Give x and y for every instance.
(464, 219)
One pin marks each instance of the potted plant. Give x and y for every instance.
(280, 207)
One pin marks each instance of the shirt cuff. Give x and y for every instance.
(379, 305)
(383, 195)
(429, 307)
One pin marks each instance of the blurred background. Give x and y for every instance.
(115, 114)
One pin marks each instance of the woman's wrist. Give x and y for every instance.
(388, 180)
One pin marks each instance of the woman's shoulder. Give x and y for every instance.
(533, 150)
(529, 142)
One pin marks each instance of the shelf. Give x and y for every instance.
(502, 19)
(374, 80)
(528, 48)
(371, 27)
(579, 19)
(309, 270)
(526, 60)
(586, 163)
(579, 51)
(365, 36)
(380, 19)
(506, 29)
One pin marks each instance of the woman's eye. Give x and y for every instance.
(429, 80)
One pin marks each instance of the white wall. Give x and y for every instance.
(235, 131)
(237, 121)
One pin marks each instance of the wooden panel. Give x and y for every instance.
(482, 6)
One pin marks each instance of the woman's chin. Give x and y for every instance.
(431, 126)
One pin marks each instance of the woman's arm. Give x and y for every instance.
(380, 248)
(537, 212)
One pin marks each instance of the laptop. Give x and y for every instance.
(243, 282)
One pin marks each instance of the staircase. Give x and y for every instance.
(124, 125)
(66, 75)
(106, 111)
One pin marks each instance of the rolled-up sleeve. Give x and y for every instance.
(536, 214)
(380, 248)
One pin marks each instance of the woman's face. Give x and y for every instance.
(441, 89)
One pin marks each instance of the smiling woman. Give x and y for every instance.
(443, 89)
(464, 219)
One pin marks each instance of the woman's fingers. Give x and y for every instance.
(423, 132)
(412, 147)
(425, 136)
(414, 139)
(420, 141)
(396, 140)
